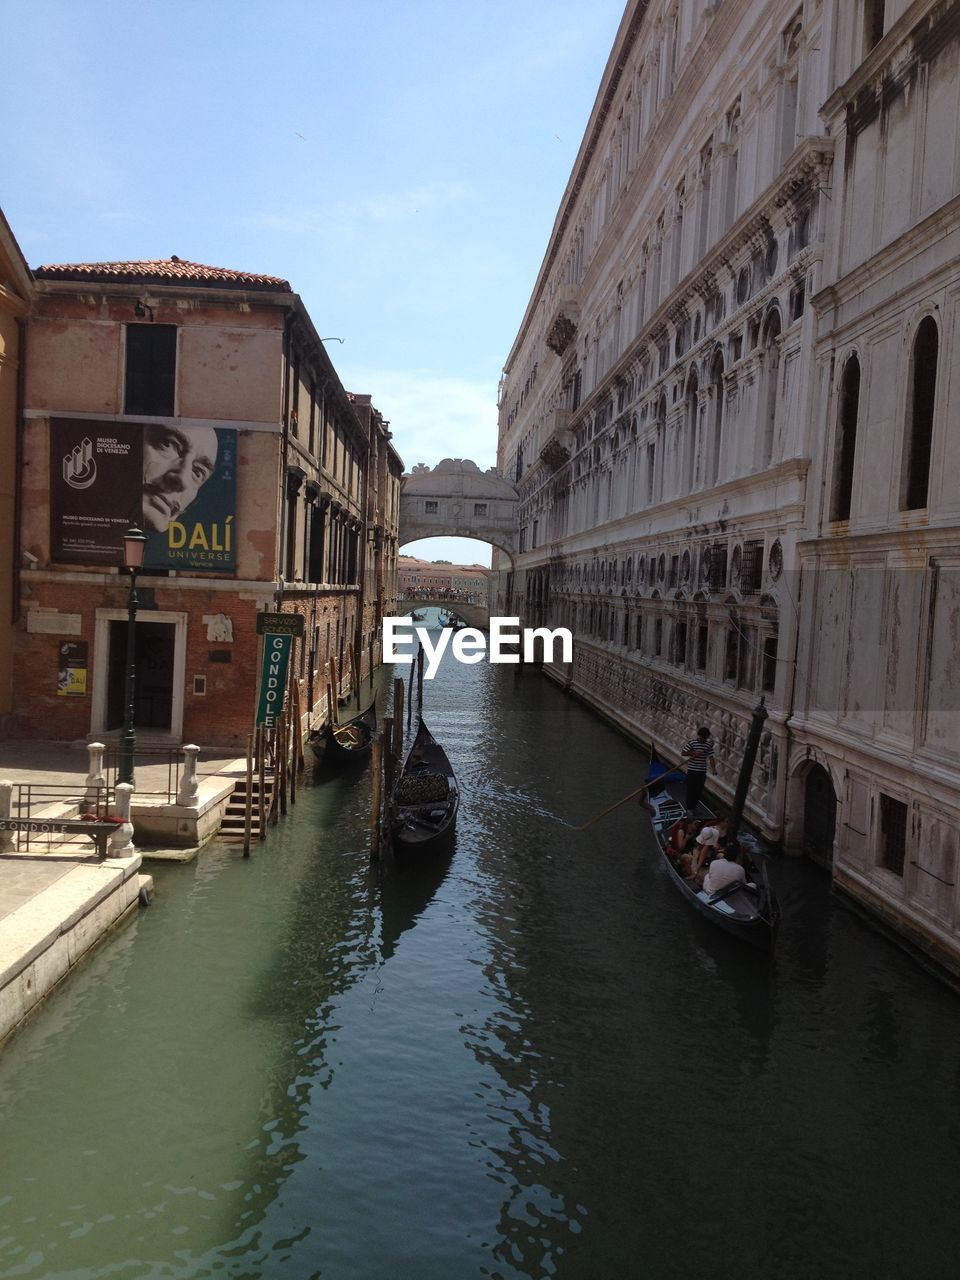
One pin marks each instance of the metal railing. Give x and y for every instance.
(45, 805)
(159, 769)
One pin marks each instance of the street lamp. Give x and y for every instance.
(134, 544)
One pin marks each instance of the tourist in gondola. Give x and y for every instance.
(699, 752)
(725, 869)
(682, 843)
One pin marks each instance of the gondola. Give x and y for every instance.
(751, 914)
(416, 617)
(343, 746)
(425, 799)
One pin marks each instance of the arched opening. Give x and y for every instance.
(847, 415)
(918, 439)
(771, 372)
(819, 816)
(690, 442)
(716, 383)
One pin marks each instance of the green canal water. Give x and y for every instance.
(531, 1061)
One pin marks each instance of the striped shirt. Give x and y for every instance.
(698, 753)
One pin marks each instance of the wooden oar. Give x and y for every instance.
(633, 794)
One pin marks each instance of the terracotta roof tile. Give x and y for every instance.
(161, 271)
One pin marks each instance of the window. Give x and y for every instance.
(315, 558)
(769, 672)
(716, 382)
(479, 508)
(746, 658)
(700, 660)
(657, 637)
(919, 436)
(680, 644)
(771, 372)
(638, 640)
(151, 369)
(431, 508)
(703, 204)
(848, 412)
(690, 441)
(751, 573)
(718, 568)
(873, 19)
(893, 834)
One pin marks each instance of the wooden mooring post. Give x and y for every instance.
(376, 795)
(261, 782)
(248, 806)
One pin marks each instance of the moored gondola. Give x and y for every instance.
(749, 911)
(342, 746)
(425, 800)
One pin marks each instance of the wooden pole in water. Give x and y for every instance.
(376, 793)
(248, 806)
(261, 784)
(335, 692)
(388, 757)
(420, 680)
(410, 695)
(397, 718)
(746, 765)
(282, 759)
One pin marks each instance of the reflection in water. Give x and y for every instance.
(530, 1059)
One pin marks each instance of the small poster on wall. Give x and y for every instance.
(72, 673)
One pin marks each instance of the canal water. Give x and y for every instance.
(530, 1061)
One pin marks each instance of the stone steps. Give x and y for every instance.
(234, 815)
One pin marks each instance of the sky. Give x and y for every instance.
(400, 163)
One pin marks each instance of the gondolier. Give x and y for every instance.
(699, 752)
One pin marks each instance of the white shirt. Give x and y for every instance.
(720, 873)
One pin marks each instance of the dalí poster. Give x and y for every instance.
(177, 483)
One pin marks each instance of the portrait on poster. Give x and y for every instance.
(176, 482)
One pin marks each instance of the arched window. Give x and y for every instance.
(848, 411)
(771, 371)
(690, 442)
(919, 435)
(716, 383)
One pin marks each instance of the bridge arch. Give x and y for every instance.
(456, 499)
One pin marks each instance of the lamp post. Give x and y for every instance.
(134, 544)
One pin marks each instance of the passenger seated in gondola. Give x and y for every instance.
(725, 869)
(682, 842)
(706, 847)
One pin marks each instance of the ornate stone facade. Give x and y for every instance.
(760, 243)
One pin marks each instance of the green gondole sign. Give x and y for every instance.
(273, 678)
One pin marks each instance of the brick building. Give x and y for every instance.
(15, 290)
(199, 403)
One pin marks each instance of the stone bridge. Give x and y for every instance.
(468, 611)
(456, 499)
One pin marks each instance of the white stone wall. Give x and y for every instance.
(764, 192)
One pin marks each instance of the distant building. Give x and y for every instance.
(15, 292)
(728, 414)
(199, 403)
(424, 577)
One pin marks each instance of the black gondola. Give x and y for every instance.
(346, 745)
(425, 799)
(751, 914)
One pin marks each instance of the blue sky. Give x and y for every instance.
(400, 163)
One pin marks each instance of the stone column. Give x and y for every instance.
(7, 838)
(95, 774)
(121, 842)
(187, 791)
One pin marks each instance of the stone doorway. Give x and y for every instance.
(819, 816)
(153, 701)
